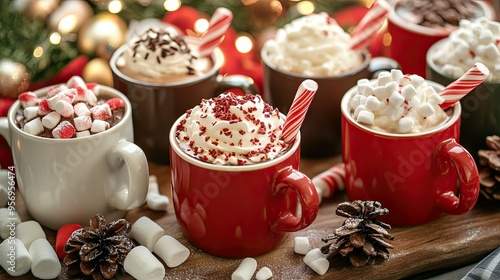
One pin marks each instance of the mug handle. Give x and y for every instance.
(129, 154)
(289, 178)
(4, 129)
(451, 154)
(242, 82)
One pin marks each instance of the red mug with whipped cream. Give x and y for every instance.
(236, 186)
(401, 149)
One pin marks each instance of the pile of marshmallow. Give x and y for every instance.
(397, 103)
(473, 41)
(27, 249)
(74, 101)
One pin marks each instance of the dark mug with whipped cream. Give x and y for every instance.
(162, 77)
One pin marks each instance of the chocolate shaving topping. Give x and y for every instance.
(440, 13)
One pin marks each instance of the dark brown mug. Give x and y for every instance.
(156, 106)
(321, 127)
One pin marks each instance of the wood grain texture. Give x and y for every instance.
(448, 242)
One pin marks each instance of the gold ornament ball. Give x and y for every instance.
(14, 78)
(98, 71)
(101, 35)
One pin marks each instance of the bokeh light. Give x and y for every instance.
(115, 6)
(305, 7)
(244, 44)
(201, 25)
(172, 5)
(55, 38)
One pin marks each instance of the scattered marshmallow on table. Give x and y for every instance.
(15, 262)
(245, 270)
(141, 264)
(44, 261)
(313, 255)
(146, 232)
(301, 245)
(154, 200)
(320, 265)
(264, 273)
(29, 231)
(9, 219)
(171, 251)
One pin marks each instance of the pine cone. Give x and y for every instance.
(489, 175)
(100, 250)
(361, 236)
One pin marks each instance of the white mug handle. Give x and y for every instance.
(134, 194)
(4, 129)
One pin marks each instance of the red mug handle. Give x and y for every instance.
(289, 178)
(451, 154)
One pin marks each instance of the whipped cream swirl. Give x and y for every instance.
(232, 129)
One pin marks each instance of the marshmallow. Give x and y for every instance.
(8, 218)
(84, 133)
(355, 101)
(4, 186)
(405, 125)
(313, 255)
(56, 89)
(101, 112)
(264, 273)
(146, 232)
(301, 245)
(115, 103)
(414, 102)
(30, 112)
(408, 91)
(29, 231)
(28, 99)
(396, 99)
(365, 117)
(245, 270)
(43, 107)
(81, 109)
(34, 127)
(13, 250)
(372, 103)
(396, 75)
(76, 81)
(358, 110)
(154, 200)
(83, 123)
(99, 126)
(436, 99)
(171, 251)
(320, 265)
(426, 110)
(56, 98)
(384, 78)
(389, 88)
(416, 80)
(141, 264)
(64, 108)
(51, 120)
(64, 130)
(44, 261)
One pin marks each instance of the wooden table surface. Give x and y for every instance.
(448, 242)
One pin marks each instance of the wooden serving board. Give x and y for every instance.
(450, 241)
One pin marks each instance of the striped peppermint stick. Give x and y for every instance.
(219, 23)
(330, 180)
(296, 114)
(463, 85)
(373, 20)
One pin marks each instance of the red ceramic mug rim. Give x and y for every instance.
(227, 168)
(431, 64)
(430, 31)
(103, 90)
(346, 113)
(364, 65)
(217, 57)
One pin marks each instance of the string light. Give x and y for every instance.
(67, 24)
(201, 25)
(305, 7)
(38, 52)
(55, 38)
(172, 5)
(244, 44)
(115, 6)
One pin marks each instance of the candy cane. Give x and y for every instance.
(296, 114)
(369, 25)
(330, 180)
(463, 85)
(219, 23)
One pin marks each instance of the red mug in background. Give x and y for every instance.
(409, 41)
(240, 211)
(413, 175)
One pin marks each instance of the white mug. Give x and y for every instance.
(70, 180)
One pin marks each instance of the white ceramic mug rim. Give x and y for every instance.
(227, 168)
(430, 31)
(436, 68)
(40, 92)
(346, 113)
(217, 58)
(366, 62)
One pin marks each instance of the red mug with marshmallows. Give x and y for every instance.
(240, 211)
(413, 175)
